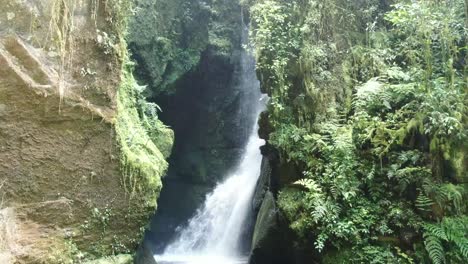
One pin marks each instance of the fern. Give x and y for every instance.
(423, 203)
(453, 231)
(320, 212)
(435, 230)
(463, 247)
(309, 184)
(456, 230)
(454, 193)
(434, 248)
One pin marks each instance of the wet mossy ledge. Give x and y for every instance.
(145, 142)
(119, 259)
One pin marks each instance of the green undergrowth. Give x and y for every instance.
(144, 140)
(368, 101)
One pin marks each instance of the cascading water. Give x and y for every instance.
(214, 234)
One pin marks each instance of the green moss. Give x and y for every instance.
(143, 164)
(144, 140)
(458, 163)
(63, 251)
(163, 137)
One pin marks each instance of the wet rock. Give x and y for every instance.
(269, 244)
(3, 109)
(119, 259)
(265, 127)
(266, 221)
(263, 185)
(144, 255)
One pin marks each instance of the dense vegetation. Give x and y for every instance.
(368, 103)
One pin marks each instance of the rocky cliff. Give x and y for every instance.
(70, 187)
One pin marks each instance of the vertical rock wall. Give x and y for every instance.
(60, 183)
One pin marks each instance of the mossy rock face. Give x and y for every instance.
(168, 37)
(139, 134)
(163, 137)
(61, 176)
(119, 259)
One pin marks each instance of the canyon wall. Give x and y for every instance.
(62, 177)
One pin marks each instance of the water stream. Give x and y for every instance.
(214, 234)
(215, 231)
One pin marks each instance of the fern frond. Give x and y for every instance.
(434, 248)
(454, 193)
(462, 245)
(436, 231)
(319, 212)
(453, 230)
(423, 203)
(309, 184)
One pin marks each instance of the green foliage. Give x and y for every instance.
(276, 42)
(143, 139)
(369, 101)
(368, 254)
(164, 39)
(449, 237)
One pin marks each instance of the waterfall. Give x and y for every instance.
(214, 234)
(215, 230)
